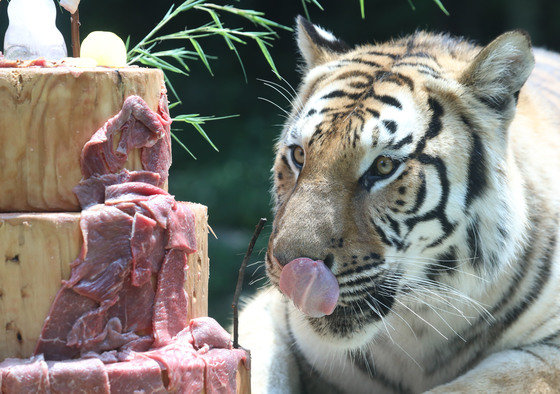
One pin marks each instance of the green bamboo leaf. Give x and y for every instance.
(267, 56)
(150, 60)
(254, 16)
(316, 2)
(201, 54)
(173, 91)
(411, 5)
(182, 145)
(441, 7)
(204, 135)
(202, 119)
(362, 9)
(305, 10)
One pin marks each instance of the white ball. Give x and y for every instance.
(105, 47)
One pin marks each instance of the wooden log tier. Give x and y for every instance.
(36, 250)
(46, 117)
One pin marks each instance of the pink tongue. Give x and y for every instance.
(310, 285)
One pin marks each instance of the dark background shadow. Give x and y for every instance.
(234, 183)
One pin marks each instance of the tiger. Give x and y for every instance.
(416, 208)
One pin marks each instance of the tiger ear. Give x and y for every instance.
(500, 69)
(317, 45)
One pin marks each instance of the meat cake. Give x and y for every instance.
(109, 312)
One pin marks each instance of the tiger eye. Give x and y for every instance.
(384, 165)
(298, 155)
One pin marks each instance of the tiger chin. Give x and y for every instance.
(416, 202)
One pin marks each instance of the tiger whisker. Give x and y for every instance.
(421, 318)
(433, 295)
(382, 320)
(416, 258)
(298, 105)
(441, 286)
(278, 86)
(405, 322)
(288, 115)
(289, 100)
(255, 263)
(409, 356)
(440, 316)
(251, 283)
(461, 297)
(289, 85)
(447, 268)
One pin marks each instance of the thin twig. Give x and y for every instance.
(75, 22)
(240, 282)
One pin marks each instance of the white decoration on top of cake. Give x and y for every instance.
(32, 31)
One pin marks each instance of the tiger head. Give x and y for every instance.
(393, 170)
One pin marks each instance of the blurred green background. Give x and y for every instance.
(234, 183)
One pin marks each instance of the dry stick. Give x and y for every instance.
(240, 282)
(75, 28)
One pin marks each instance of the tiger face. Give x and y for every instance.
(391, 171)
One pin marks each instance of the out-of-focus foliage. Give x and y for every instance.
(235, 182)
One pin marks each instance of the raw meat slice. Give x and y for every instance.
(182, 366)
(140, 127)
(131, 208)
(110, 337)
(102, 226)
(24, 376)
(135, 307)
(87, 327)
(131, 192)
(159, 207)
(158, 158)
(136, 376)
(147, 248)
(221, 370)
(78, 376)
(142, 344)
(170, 307)
(91, 191)
(66, 309)
(181, 229)
(108, 357)
(107, 285)
(207, 331)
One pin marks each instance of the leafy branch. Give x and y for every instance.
(147, 52)
(196, 121)
(144, 52)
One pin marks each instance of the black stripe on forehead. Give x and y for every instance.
(395, 77)
(385, 99)
(434, 127)
(399, 144)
